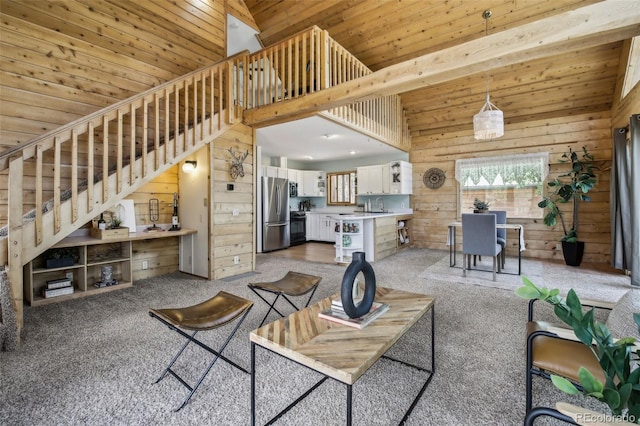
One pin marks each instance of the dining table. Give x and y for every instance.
(452, 240)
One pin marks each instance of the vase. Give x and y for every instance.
(358, 264)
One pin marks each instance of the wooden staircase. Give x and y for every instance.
(63, 179)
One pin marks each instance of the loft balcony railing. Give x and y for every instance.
(310, 61)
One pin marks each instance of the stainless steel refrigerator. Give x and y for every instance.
(275, 213)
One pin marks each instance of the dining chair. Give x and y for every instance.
(501, 233)
(479, 239)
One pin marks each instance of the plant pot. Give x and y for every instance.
(573, 252)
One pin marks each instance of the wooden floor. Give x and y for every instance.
(312, 252)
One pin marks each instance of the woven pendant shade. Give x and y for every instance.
(489, 122)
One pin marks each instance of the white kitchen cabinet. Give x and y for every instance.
(312, 226)
(312, 183)
(401, 177)
(327, 226)
(373, 180)
(276, 172)
(292, 175)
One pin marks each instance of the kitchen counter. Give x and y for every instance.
(377, 234)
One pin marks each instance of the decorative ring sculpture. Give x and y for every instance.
(357, 265)
(433, 178)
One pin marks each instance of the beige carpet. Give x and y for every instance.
(586, 282)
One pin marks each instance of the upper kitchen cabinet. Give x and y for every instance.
(275, 172)
(312, 184)
(401, 177)
(373, 179)
(384, 179)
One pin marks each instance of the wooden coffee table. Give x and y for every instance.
(328, 347)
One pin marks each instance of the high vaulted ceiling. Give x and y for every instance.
(381, 33)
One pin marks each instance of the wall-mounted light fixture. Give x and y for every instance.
(189, 166)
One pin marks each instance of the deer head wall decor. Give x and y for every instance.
(236, 169)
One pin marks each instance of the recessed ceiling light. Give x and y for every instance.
(352, 152)
(308, 157)
(329, 136)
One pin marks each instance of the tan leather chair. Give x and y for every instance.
(220, 310)
(292, 284)
(555, 350)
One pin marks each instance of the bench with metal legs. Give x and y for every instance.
(220, 310)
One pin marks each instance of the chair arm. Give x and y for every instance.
(568, 334)
(582, 416)
(598, 304)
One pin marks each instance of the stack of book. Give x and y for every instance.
(337, 314)
(57, 287)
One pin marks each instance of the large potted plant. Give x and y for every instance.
(620, 365)
(570, 187)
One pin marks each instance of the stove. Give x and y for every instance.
(298, 227)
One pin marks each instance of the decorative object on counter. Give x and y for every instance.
(102, 224)
(154, 215)
(433, 178)
(237, 170)
(480, 206)
(175, 224)
(357, 265)
(346, 241)
(61, 257)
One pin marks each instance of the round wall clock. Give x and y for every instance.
(433, 178)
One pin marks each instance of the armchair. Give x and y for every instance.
(479, 238)
(556, 350)
(501, 233)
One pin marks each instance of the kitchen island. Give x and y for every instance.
(378, 235)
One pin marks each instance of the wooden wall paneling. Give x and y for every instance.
(161, 255)
(239, 10)
(232, 235)
(433, 209)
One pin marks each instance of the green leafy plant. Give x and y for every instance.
(115, 222)
(621, 392)
(480, 205)
(569, 187)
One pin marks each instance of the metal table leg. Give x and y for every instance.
(253, 384)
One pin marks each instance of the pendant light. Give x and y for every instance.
(489, 122)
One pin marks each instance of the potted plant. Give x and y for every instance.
(570, 187)
(621, 391)
(480, 206)
(61, 257)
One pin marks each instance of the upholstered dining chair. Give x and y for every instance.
(501, 233)
(479, 239)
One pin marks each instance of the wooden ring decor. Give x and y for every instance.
(357, 265)
(433, 178)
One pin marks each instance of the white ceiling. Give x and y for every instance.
(318, 139)
(304, 140)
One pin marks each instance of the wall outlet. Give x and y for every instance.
(236, 260)
(145, 264)
(236, 212)
(558, 246)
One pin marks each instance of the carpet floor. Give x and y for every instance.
(93, 361)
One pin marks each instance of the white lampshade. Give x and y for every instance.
(189, 166)
(489, 122)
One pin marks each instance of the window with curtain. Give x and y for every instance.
(510, 182)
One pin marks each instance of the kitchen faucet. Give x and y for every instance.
(380, 202)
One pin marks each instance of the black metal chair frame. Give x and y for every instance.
(191, 338)
(272, 306)
(546, 411)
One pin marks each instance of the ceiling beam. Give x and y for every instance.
(589, 26)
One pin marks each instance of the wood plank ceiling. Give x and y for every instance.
(385, 32)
